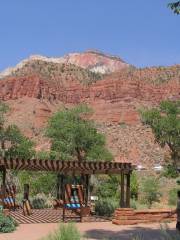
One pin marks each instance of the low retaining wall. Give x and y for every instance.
(129, 216)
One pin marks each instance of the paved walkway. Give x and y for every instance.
(96, 230)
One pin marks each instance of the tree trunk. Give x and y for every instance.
(3, 148)
(79, 157)
(176, 160)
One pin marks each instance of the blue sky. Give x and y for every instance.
(143, 33)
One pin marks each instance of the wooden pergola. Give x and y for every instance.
(84, 168)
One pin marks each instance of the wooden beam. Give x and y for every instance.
(64, 167)
(122, 190)
(128, 190)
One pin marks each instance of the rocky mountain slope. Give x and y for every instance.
(93, 61)
(36, 88)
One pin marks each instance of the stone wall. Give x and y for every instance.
(129, 216)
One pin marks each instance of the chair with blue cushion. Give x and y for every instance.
(9, 200)
(73, 200)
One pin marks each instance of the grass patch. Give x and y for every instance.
(65, 232)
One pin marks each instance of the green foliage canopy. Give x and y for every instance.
(175, 6)
(12, 142)
(108, 187)
(40, 182)
(165, 124)
(75, 137)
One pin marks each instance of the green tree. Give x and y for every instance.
(108, 187)
(165, 124)
(150, 190)
(175, 6)
(75, 137)
(40, 182)
(12, 142)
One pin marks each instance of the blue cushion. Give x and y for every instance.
(9, 200)
(73, 205)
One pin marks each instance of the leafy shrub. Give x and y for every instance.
(40, 182)
(138, 237)
(165, 234)
(134, 186)
(137, 205)
(108, 187)
(170, 172)
(133, 204)
(106, 207)
(178, 181)
(150, 190)
(39, 201)
(168, 235)
(43, 155)
(172, 200)
(65, 232)
(7, 224)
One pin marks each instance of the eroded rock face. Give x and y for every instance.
(34, 93)
(113, 100)
(96, 61)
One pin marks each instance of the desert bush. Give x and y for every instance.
(43, 155)
(170, 172)
(138, 237)
(134, 186)
(172, 198)
(7, 224)
(137, 205)
(165, 234)
(133, 204)
(150, 191)
(65, 232)
(106, 207)
(19, 198)
(178, 181)
(39, 201)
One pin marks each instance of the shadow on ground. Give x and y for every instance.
(130, 234)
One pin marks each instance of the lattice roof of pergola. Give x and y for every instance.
(84, 167)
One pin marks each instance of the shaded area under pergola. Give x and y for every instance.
(64, 168)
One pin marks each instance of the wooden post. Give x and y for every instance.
(26, 191)
(4, 186)
(63, 192)
(87, 189)
(83, 183)
(58, 186)
(122, 191)
(59, 189)
(61, 186)
(128, 190)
